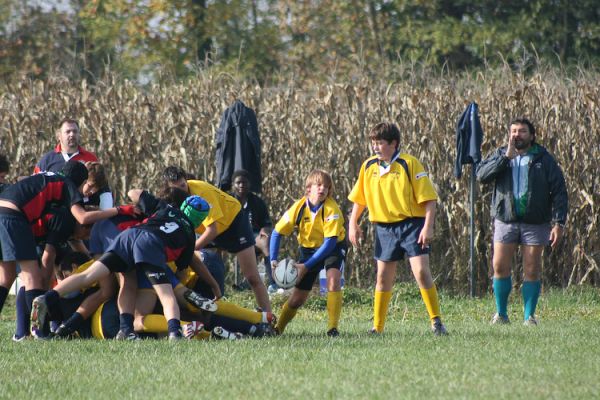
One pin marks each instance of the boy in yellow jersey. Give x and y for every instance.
(321, 237)
(226, 227)
(401, 201)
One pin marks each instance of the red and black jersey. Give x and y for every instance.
(34, 194)
(172, 226)
(54, 227)
(54, 161)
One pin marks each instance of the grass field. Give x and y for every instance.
(557, 359)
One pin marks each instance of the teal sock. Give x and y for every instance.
(502, 288)
(531, 294)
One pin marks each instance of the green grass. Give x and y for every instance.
(557, 359)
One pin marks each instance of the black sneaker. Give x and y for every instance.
(64, 332)
(333, 332)
(124, 335)
(438, 328)
(200, 302)
(174, 336)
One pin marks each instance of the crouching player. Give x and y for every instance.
(321, 237)
(167, 235)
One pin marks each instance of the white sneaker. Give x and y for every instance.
(192, 329)
(498, 319)
(221, 333)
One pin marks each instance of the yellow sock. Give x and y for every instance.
(380, 309)
(287, 314)
(227, 309)
(155, 323)
(334, 309)
(430, 298)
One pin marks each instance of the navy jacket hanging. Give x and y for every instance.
(238, 146)
(469, 136)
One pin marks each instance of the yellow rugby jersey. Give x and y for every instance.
(327, 222)
(394, 195)
(223, 207)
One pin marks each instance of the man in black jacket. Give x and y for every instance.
(529, 207)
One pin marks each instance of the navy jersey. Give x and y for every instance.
(172, 226)
(105, 231)
(54, 227)
(37, 192)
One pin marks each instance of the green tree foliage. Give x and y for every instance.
(152, 39)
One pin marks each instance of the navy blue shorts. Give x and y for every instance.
(333, 260)
(135, 246)
(394, 240)
(237, 237)
(16, 238)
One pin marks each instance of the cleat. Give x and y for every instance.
(498, 319)
(374, 332)
(265, 330)
(531, 321)
(200, 302)
(221, 333)
(39, 315)
(175, 336)
(124, 335)
(63, 331)
(192, 329)
(333, 332)
(438, 328)
(269, 318)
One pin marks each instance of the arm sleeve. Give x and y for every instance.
(558, 194)
(489, 168)
(274, 245)
(322, 252)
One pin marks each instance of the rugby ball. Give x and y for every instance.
(285, 274)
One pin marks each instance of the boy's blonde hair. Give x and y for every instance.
(319, 176)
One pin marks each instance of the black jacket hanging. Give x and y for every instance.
(238, 146)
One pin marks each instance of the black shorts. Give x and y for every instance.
(237, 237)
(16, 238)
(333, 260)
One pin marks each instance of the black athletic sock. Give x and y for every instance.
(3, 295)
(52, 298)
(126, 322)
(174, 325)
(73, 322)
(32, 294)
(23, 315)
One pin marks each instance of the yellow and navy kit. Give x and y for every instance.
(395, 192)
(328, 221)
(223, 207)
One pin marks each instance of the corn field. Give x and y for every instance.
(137, 131)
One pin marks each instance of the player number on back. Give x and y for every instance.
(169, 227)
